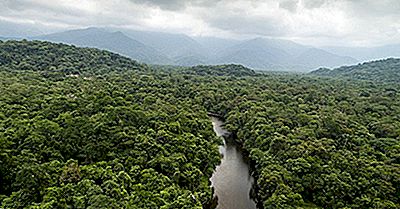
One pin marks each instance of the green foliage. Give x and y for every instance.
(319, 141)
(120, 135)
(50, 59)
(221, 70)
(120, 139)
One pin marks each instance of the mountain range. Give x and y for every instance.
(113, 41)
(179, 49)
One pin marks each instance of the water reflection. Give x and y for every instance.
(231, 179)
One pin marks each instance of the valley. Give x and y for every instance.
(140, 136)
(199, 104)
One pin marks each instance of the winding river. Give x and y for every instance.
(231, 179)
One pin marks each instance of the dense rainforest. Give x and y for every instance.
(85, 128)
(73, 136)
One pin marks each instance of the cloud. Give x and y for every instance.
(314, 4)
(164, 4)
(290, 5)
(318, 22)
(176, 5)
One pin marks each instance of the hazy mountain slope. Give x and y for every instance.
(190, 60)
(253, 53)
(175, 46)
(277, 54)
(387, 70)
(113, 41)
(367, 53)
(314, 58)
(178, 49)
(289, 47)
(215, 45)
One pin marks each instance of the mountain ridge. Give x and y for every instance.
(281, 54)
(113, 41)
(179, 49)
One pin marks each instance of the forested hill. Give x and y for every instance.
(52, 57)
(387, 70)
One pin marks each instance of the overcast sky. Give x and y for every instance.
(315, 22)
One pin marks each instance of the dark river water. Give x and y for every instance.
(231, 179)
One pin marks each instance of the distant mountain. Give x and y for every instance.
(278, 54)
(387, 70)
(177, 47)
(112, 41)
(215, 45)
(254, 53)
(190, 60)
(367, 53)
(315, 58)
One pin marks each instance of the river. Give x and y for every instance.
(231, 179)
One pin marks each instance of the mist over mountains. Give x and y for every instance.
(367, 53)
(179, 49)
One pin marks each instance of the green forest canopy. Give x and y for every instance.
(86, 128)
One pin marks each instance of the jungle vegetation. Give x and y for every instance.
(85, 128)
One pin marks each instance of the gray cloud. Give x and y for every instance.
(176, 5)
(38, 6)
(374, 9)
(164, 4)
(290, 5)
(312, 4)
